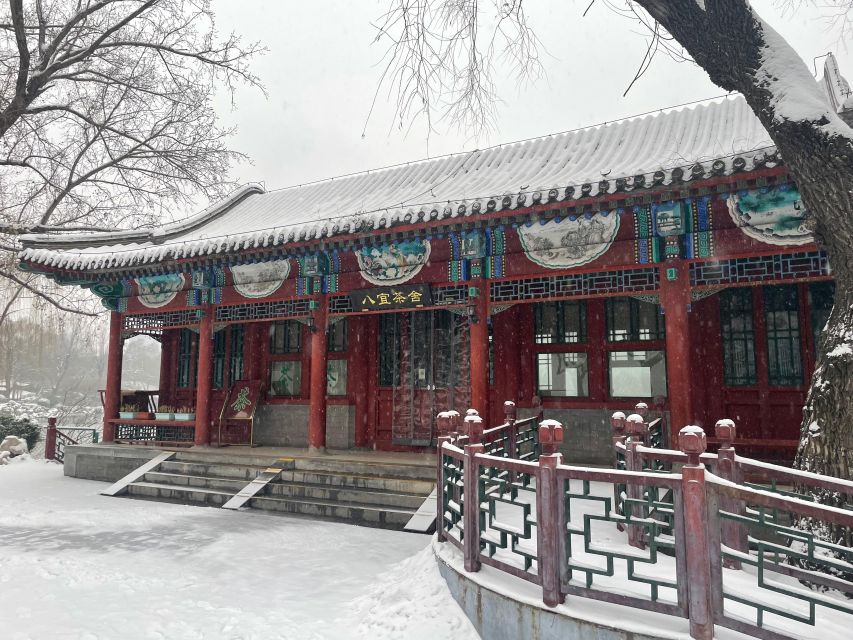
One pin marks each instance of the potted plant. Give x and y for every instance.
(185, 413)
(165, 412)
(127, 411)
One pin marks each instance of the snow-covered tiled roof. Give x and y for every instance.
(714, 138)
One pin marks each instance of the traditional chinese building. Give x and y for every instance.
(661, 259)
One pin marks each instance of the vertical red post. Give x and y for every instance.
(636, 428)
(675, 299)
(317, 407)
(480, 350)
(439, 490)
(50, 440)
(166, 367)
(734, 534)
(112, 395)
(471, 508)
(548, 528)
(205, 378)
(692, 442)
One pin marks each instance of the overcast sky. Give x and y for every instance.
(322, 70)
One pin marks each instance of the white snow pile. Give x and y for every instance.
(387, 610)
(12, 447)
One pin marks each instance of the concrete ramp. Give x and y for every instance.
(258, 484)
(424, 519)
(121, 486)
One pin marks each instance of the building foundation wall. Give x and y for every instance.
(286, 425)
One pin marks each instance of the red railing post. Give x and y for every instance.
(510, 414)
(635, 426)
(733, 533)
(691, 441)
(50, 440)
(471, 505)
(439, 490)
(548, 526)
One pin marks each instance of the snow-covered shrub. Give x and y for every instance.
(21, 427)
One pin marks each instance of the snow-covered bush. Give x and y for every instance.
(21, 427)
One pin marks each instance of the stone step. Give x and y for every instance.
(215, 483)
(244, 472)
(343, 495)
(352, 513)
(350, 480)
(379, 469)
(245, 457)
(174, 493)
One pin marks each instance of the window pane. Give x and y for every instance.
(637, 374)
(235, 372)
(336, 377)
(821, 295)
(562, 374)
(186, 340)
(338, 336)
(389, 349)
(560, 322)
(781, 308)
(631, 320)
(286, 337)
(738, 337)
(286, 378)
(219, 359)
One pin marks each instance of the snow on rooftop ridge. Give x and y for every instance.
(647, 151)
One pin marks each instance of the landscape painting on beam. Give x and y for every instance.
(393, 262)
(774, 215)
(569, 242)
(261, 279)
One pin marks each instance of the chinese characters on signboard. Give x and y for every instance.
(401, 297)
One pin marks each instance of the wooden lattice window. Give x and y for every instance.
(389, 350)
(235, 363)
(821, 296)
(186, 349)
(286, 337)
(337, 340)
(561, 322)
(738, 335)
(219, 359)
(632, 320)
(781, 313)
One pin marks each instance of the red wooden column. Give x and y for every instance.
(205, 378)
(480, 349)
(112, 395)
(675, 299)
(317, 407)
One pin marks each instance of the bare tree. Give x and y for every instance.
(106, 115)
(440, 62)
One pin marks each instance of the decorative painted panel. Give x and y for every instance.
(393, 262)
(774, 215)
(562, 243)
(261, 279)
(158, 291)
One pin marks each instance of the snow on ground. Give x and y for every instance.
(77, 565)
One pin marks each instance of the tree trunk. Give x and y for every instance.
(741, 53)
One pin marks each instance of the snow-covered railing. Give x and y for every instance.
(56, 439)
(691, 544)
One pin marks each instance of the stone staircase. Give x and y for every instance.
(376, 494)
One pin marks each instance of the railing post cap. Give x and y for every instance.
(691, 440)
(642, 408)
(726, 431)
(473, 419)
(472, 412)
(509, 404)
(635, 418)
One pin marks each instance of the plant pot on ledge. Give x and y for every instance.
(185, 417)
(163, 416)
(143, 415)
(126, 415)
